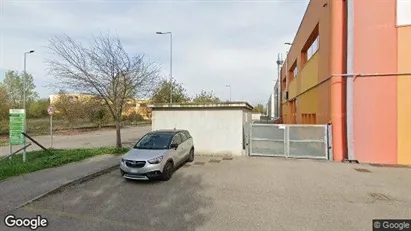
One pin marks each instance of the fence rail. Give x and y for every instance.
(296, 140)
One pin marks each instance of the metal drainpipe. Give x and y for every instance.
(350, 81)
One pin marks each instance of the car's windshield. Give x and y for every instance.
(154, 141)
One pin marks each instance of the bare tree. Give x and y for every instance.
(104, 68)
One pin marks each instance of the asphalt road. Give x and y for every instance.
(239, 194)
(102, 138)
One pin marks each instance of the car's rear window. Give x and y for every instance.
(187, 134)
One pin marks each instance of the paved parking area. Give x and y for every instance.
(239, 194)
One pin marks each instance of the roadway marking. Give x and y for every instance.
(87, 218)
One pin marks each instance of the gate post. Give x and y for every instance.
(250, 138)
(286, 141)
(330, 142)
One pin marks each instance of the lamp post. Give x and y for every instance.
(24, 102)
(171, 63)
(228, 85)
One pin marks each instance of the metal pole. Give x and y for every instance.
(171, 67)
(51, 131)
(24, 106)
(11, 150)
(279, 92)
(277, 85)
(350, 81)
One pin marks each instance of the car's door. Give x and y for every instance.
(177, 153)
(189, 141)
(185, 145)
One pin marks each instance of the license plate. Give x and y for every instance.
(133, 170)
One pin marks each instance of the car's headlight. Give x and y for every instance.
(156, 160)
(123, 160)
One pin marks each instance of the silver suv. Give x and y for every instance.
(157, 154)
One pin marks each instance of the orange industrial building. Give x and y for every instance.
(349, 65)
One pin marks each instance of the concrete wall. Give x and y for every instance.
(404, 95)
(375, 131)
(247, 119)
(215, 132)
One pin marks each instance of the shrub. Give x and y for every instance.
(133, 117)
(38, 109)
(99, 114)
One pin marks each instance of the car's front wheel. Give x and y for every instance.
(167, 171)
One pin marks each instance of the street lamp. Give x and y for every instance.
(171, 63)
(228, 85)
(24, 102)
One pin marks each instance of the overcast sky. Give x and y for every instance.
(215, 43)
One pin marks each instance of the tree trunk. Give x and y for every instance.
(118, 133)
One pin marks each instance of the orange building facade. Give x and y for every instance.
(349, 65)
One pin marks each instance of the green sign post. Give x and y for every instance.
(17, 118)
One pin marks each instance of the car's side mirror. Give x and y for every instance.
(175, 146)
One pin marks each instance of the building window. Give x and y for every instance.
(313, 48)
(403, 12)
(293, 71)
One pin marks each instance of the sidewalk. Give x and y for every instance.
(18, 190)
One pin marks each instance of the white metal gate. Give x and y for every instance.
(290, 140)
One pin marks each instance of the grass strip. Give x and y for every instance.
(38, 160)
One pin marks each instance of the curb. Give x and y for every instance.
(216, 155)
(70, 183)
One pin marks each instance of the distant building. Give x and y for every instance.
(138, 106)
(271, 107)
(72, 97)
(277, 100)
